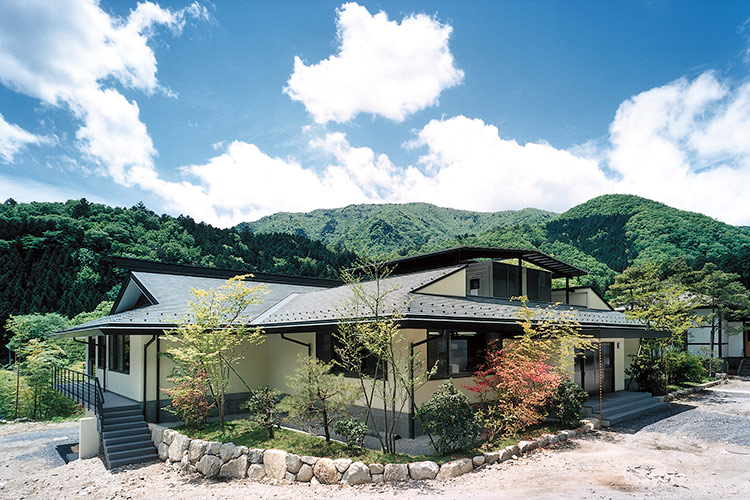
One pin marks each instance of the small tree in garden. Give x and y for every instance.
(449, 416)
(214, 334)
(263, 408)
(516, 382)
(369, 334)
(189, 401)
(321, 396)
(514, 386)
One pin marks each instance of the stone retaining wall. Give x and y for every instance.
(691, 390)
(215, 459)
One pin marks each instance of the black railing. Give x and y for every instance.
(80, 387)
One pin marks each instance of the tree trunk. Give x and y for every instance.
(326, 424)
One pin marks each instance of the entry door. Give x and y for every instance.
(747, 340)
(587, 369)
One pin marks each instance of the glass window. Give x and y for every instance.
(457, 353)
(119, 353)
(325, 350)
(101, 352)
(474, 285)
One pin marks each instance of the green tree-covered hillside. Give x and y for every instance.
(54, 257)
(603, 236)
(387, 228)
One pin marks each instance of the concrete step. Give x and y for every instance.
(123, 426)
(127, 439)
(128, 445)
(146, 457)
(116, 409)
(134, 452)
(116, 413)
(107, 435)
(618, 406)
(110, 421)
(625, 413)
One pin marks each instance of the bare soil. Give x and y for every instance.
(683, 453)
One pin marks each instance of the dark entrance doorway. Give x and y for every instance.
(587, 369)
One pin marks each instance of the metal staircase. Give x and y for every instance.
(125, 436)
(622, 405)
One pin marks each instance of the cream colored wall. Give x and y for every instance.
(454, 285)
(619, 363)
(595, 302)
(581, 297)
(252, 369)
(129, 385)
(281, 358)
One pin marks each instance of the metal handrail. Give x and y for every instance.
(81, 387)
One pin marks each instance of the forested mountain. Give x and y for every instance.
(400, 228)
(54, 257)
(603, 236)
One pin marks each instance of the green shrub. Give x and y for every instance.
(567, 402)
(648, 370)
(449, 416)
(352, 430)
(262, 406)
(685, 367)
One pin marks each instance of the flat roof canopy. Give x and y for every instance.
(458, 255)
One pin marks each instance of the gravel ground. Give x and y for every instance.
(688, 454)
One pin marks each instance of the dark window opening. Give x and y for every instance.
(474, 284)
(457, 353)
(101, 352)
(119, 353)
(538, 285)
(325, 350)
(505, 280)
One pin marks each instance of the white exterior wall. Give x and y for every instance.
(732, 341)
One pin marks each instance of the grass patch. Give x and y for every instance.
(687, 385)
(245, 433)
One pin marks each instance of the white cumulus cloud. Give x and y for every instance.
(382, 67)
(687, 144)
(70, 53)
(13, 138)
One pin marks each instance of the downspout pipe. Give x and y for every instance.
(298, 342)
(158, 398)
(145, 371)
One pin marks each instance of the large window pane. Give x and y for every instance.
(437, 352)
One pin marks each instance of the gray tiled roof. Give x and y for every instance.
(329, 304)
(287, 305)
(173, 292)
(503, 310)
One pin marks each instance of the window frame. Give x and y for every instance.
(486, 336)
(101, 352)
(119, 354)
(329, 355)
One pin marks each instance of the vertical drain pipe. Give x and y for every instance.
(145, 371)
(158, 399)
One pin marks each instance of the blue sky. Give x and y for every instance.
(229, 111)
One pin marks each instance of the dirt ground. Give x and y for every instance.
(682, 453)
